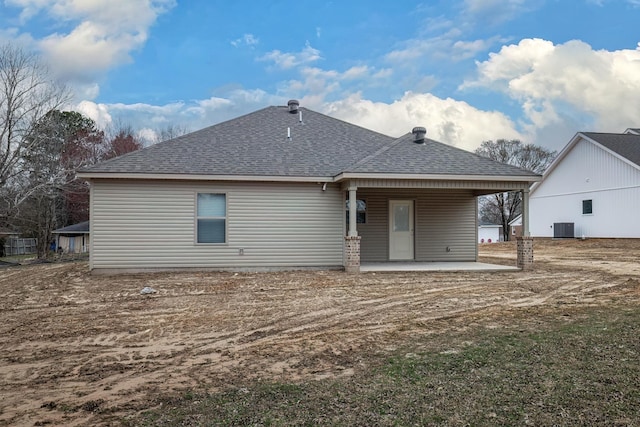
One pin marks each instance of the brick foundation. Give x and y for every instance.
(525, 253)
(352, 254)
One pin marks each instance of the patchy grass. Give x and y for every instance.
(19, 259)
(551, 371)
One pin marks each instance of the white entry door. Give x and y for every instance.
(401, 230)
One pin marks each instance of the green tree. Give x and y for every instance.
(502, 208)
(59, 144)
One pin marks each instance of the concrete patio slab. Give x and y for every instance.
(433, 266)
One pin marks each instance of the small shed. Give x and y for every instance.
(5, 235)
(489, 233)
(73, 239)
(516, 226)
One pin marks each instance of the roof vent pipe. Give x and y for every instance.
(418, 134)
(293, 105)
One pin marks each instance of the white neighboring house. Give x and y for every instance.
(489, 233)
(594, 184)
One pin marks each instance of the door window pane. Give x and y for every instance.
(401, 218)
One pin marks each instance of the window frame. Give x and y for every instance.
(197, 218)
(346, 211)
(590, 205)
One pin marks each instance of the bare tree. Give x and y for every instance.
(121, 139)
(502, 208)
(27, 93)
(171, 132)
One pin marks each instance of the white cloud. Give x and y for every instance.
(247, 40)
(447, 120)
(103, 32)
(148, 135)
(447, 46)
(416, 48)
(190, 115)
(12, 35)
(468, 49)
(99, 113)
(205, 106)
(556, 82)
(512, 61)
(383, 73)
(315, 85)
(85, 91)
(287, 60)
(356, 72)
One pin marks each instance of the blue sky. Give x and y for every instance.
(467, 70)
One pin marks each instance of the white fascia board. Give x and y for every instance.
(188, 177)
(439, 177)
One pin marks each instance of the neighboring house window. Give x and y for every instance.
(212, 218)
(587, 207)
(361, 212)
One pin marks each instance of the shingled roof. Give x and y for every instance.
(404, 156)
(273, 142)
(626, 145)
(79, 228)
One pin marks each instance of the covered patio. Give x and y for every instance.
(416, 202)
(424, 224)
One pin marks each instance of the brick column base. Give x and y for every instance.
(525, 253)
(352, 254)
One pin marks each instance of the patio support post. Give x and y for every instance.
(352, 240)
(525, 243)
(525, 213)
(353, 212)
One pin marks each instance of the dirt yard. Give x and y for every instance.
(78, 349)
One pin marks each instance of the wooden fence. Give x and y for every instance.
(16, 246)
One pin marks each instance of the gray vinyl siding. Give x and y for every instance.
(151, 224)
(442, 219)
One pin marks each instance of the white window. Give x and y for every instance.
(361, 211)
(211, 221)
(587, 207)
